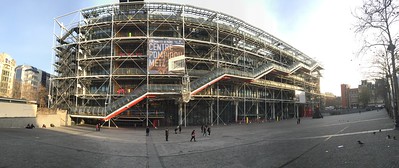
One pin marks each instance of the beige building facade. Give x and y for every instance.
(7, 71)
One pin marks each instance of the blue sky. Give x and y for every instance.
(26, 30)
(319, 28)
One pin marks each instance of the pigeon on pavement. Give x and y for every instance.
(360, 142)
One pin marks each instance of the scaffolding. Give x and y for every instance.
(171, 64)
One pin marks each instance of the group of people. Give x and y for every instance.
(98, 126)
(167, 131)
(30, 126)
(178, 128)
(205, 129)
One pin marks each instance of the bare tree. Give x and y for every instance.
(42, 96)
(28, 92)
(23, 90)
(381, 65)
(364, 96)
(376, 20)
(16, 89)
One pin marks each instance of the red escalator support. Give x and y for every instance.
(207, 84)
(226, 78)
(124, 108)
(134, 102)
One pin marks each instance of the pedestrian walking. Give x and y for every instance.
(179, 129)
(209, 131)
(298, 121)
(147, 131)
(204, 130)
(193, 136)
(166, 134)
(99, 126)
(176, 129)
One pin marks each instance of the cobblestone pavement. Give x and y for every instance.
(328, 142)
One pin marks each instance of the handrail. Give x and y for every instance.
(136, 96)
(121, 102)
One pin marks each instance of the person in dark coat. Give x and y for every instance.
(179, 129)
(204, 130)
(147, 131)
(193, 136)
(209, 131)
(166, 134)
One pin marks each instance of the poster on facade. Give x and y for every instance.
(165, 56)
(300, 96)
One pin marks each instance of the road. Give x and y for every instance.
(327, 142)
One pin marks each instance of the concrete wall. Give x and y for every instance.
(58, 118)
(17, 110)
(20, 122)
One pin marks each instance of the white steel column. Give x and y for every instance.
(236, 109)
(274, 110)
(147, 75)
(297, 110)
(110, 70)
(265, 111)
(273, 107)
(257, 110)
(185, 115)
(211, 113)
(217, 106)
(218, 66)
(184, 38)
(245, 95)
(180, 112)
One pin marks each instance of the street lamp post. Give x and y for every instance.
(391, 49)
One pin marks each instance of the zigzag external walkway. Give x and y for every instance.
(196, 86)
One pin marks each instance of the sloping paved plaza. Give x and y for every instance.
(328, 142)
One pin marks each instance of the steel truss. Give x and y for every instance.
(101, 58)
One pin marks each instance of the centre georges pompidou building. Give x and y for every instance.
(169, 64)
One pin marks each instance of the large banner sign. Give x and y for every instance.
(165, 56)
(300, 96)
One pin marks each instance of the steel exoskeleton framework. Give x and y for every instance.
(233, 71)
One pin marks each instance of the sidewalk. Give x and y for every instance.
(331, 142)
